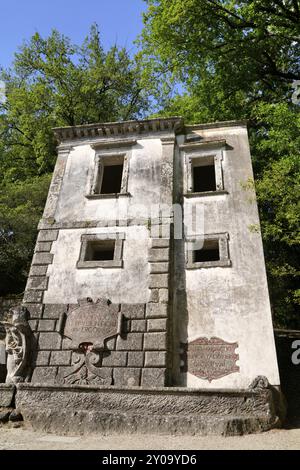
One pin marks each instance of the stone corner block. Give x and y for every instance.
(158, 254)
(47, 235)
(159, 281)
(38, 270)
(155, 359)
(133, 310)
(159, 268)
(164, 295)
(33, 296)
(157, 324)
(37, 283)
(155, 341)
(43, 247)
(160, 242)
(156, 310)
(41, 258)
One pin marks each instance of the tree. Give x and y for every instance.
(52, 83)
(240, 60)
(275, 149)
(21, 207)
(253, 45)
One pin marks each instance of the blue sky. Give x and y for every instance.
(120, 21)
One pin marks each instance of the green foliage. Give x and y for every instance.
(52, 83)
(239, 60)
(252, 44)
(21, 207)
(276, 148)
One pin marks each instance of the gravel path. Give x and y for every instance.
(25, 439)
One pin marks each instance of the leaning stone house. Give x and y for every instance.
(121, 262)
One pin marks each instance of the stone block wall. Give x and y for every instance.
(140, 356)
(137, 357)
(38, 280)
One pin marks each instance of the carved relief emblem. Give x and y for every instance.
(209, 359)
(88, 326)
(85, 369)
(92, 323)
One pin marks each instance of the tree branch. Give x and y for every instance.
(277, 72)
(290, 16)
(14, 126)
(243, 22)
(133, 102)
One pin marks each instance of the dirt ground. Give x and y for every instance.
(25, 439)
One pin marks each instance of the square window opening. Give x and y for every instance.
(112, 179)
(103, 250)
(209, 252)
(204, 178)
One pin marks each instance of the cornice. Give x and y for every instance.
(216, 125)
(113, 130)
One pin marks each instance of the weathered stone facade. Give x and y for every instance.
(124, 291)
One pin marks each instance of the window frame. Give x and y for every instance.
(223, 240)
(108, 159)
(117, 261)
(204, 161)
(203, 157)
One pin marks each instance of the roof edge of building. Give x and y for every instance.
(173, 124)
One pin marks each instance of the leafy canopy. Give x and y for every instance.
(237, 60)
(52, 83)
(253, 45)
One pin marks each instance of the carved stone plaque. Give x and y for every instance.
(209, 359)
(92, 323)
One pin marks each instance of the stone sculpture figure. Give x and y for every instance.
(17, 345)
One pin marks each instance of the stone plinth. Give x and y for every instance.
(86, 409)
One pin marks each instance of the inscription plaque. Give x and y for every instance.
(92, 323)
(209, 359)
(88, 326)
